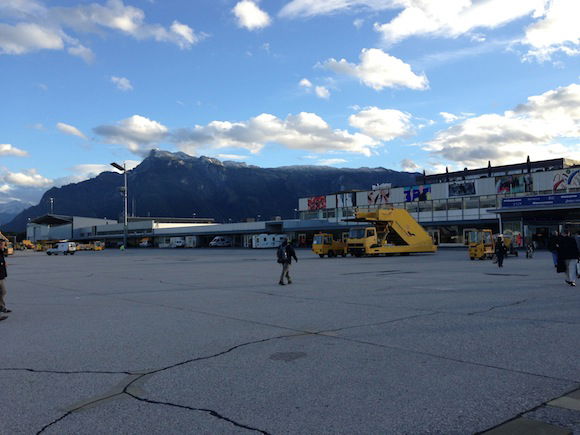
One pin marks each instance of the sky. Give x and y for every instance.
(403, 84)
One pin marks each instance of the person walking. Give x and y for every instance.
(568, 253)
(553, 247)
(285, 254)
(3, 275)
(500, 251)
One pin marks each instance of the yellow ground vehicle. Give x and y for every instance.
(324, 244)
(481, 244)
(9, 248)
(389, 231)
(98, 246)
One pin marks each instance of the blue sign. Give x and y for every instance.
(541, 200)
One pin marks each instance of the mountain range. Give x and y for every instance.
(169, 184)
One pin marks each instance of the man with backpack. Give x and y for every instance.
(285, 254)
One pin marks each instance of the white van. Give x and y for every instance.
(63, 248)
(220, 242)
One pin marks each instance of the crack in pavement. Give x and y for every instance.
(65, 372)
(131, 387)
(446, 358)
(499, 306)
(205, 410)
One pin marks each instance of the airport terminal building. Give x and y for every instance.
(530, 199)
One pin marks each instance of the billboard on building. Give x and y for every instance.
(465, 188)
(346, 200)
(317, 203)
(514, 184)
(418, 193)
(566, 179)
(378, 197)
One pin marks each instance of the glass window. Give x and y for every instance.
(370, 233)
(487, 201)
(426, 206)
(411, 207)
(471, 203)
(454, 204)
(356, 233)
(317, 239)
(440, 205)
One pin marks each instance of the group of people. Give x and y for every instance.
(565, 251)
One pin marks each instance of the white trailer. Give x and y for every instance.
(191, 241)
(263, 241)
(177, 242)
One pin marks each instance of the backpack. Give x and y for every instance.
(281, 254)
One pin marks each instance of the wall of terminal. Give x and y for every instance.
(448, 201)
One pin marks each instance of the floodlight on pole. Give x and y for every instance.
(125, 196)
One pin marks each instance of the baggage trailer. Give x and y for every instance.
(388, 231)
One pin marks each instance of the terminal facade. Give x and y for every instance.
(530, 199)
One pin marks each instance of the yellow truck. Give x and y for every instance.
(325, 244)
(482, 244)
(388, 231)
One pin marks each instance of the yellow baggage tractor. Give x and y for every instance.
(325, 244)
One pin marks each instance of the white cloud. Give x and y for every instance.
(379, 70)
(409, 165)
(28, 178)
(250, 16)
(232, 157)
(558, 30)
(450, 118)
(137, 133)
(453, 18)
(71, 130)
(331, 162)
(322, 92)
(358, 23)
(83, 52)
(309, 8)
(533, 129)
(382, 124)
(306, 131)
(554, 29)
(8, 150)
(305, 83)
(24, 38)
(49, 28)
(122, 83)
(86, 171)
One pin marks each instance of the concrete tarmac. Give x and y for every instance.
(205, 341)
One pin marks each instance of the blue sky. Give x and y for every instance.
(403, 84)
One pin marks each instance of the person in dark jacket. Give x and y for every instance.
(553, 246)
(569, 254)
(500, 251)
(285, 254)
(3, 275)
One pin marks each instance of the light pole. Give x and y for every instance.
(123, 189)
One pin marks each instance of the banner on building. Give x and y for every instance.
(541, 200)
(345, 200)
(418, 193)
(378, 197)
(466, 188)
(514, 184)
(567, 179)
(317, 203)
